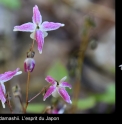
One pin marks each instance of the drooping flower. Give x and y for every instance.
(29, 64)
(4, 78)
(120, 67)
(38, 29)
(57, 88)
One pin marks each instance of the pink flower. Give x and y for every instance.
(57, 88)
(4, 78)
(38, 28)
(29, 64)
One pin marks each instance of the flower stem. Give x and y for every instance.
(32, 46)
(27, 87)
(81, 54)
(39, 93)
(9, 105)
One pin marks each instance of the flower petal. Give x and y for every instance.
(37, 18)
(32, 35)
(40, 40)
(65, 84)
(2, 94)
(3, 87)
(63, 79)
(49, 79)
(45, 34)
(27, 27)
(63, 93)
(55, 93)
(49, 92)
(9, 75)
(49, 26)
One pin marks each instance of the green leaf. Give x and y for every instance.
(12, 4)
(35, 108)
(58, 71)
(86, 103)
(108, 96)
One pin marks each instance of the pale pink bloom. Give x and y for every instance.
(57, 88)
(4, 78)
(29, 64)
(38, 28)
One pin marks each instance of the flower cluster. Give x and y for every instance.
(38, 33)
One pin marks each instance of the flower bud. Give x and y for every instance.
(29, 64)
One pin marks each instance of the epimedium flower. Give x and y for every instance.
(4, 78)
(38, 29)
(58, 88)
(29, 64)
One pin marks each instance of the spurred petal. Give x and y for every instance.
(63, 93)
(49, 26)
(45, 34)
(27, 27)
(63, 79)
(65, 84)
(9, 75)
(49, 92)
(37, 18)
(2, 94)
(40, 40)
(32, 35)
(49, 79)
(55, 93)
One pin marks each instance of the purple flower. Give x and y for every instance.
(57, 88)
(4, 78)
(29, 64)
(38, 28)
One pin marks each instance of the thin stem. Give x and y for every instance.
(81, 54)
(27, 87)
(32, 46)
(9, 105)
(21, 104)
(39, 93)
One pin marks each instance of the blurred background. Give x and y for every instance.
(95, 92)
